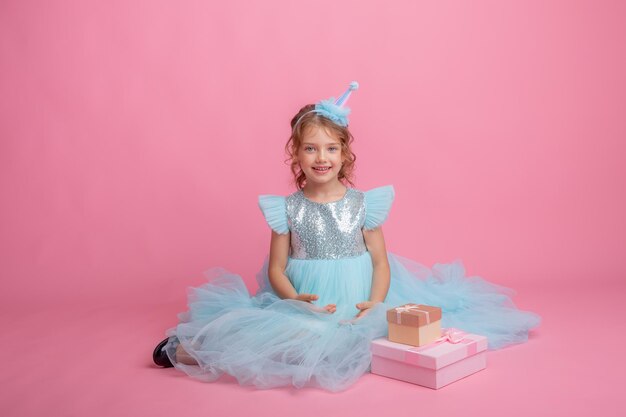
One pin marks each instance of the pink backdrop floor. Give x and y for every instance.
(135, 137)
(98, 363)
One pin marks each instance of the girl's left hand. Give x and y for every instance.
(364, 307)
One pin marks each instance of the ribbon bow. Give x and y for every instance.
(410, 307)
(451, 335)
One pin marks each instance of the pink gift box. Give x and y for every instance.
(453, 357)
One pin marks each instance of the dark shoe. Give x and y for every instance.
(160, 357)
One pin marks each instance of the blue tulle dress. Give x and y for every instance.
(267, 342)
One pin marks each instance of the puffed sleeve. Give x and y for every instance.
(377, 205)
(274, 209)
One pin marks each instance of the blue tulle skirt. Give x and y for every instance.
(268, 342)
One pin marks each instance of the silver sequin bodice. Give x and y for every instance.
(326, 230)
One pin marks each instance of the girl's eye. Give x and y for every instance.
(309, 148)
(333, 148)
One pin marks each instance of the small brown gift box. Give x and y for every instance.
(414, 324)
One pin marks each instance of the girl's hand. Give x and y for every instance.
(364, 307)
(331, 308)
(306, 297)
(309, 298)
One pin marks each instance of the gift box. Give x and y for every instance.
(454, 356)
(414, 324)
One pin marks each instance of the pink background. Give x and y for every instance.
(135, 137)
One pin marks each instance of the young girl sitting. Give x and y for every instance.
(328, 282)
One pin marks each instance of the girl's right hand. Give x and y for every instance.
(331, 308)
(306, 297)
(309, 298)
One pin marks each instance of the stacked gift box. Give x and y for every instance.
(418, 351)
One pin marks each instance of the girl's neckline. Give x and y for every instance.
(327, 202)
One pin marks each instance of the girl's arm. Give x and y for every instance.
(375, 242)
(279, 250)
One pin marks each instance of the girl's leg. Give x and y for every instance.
(183, 357)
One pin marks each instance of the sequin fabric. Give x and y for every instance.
(326, 230)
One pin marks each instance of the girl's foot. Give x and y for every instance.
(160, 357)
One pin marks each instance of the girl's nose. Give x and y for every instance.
(321, 156)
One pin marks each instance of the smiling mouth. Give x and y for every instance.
(321, 169)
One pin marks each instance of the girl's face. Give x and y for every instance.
(320, 156)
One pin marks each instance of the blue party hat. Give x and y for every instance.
(335, 110)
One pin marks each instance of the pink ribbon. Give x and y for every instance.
(455, 336)
(409, 307)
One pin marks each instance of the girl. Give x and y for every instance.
(329, 280)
